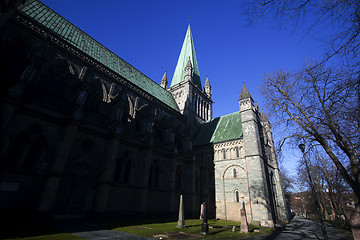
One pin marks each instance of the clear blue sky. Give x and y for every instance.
(149, 34)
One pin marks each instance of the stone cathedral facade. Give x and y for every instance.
(84, 133)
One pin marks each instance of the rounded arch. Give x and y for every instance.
(217, 173)
(231, 166)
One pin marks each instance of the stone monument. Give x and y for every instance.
(244, 228)
(204, 225)
(181, 221)
(202, 212)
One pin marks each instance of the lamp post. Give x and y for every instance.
(302, 148)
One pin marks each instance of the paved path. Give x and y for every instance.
(302, 228)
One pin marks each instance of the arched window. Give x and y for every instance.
(27, 149)
(237, 152)
(123, 170)
(17, 150)
(234, 173)
(237, 199)
(178, 178)
(224, 154)
(154, 174)
(35, 152)
(197, 182)
(127, 172)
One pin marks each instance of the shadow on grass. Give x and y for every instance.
(18, 226)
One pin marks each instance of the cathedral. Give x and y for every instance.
(84, 133)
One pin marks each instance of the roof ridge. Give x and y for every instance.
(120, 66)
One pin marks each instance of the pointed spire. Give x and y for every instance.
(187, 51)
(164, 82)
(264, 118)
(207, 87)
(244, 93)
(207, 83)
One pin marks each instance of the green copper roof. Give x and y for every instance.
(45, 16)
(187, 50)
(224, 128)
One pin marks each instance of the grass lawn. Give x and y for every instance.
(57, 236)
(223, 231)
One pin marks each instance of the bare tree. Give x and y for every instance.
(342, 17)
(319, 104)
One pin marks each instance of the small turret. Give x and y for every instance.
(244, 93)
(164, 81)
(245, 100)
(264, 118)
(207, 87)
(188, 71)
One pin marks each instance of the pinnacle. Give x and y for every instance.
(244, 93)
(164, 78)
(264, 118)
(207, 83)
(188, 64)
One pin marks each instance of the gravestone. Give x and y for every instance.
(202, 212)
(244, 228)
(204, 225)
(181, 221)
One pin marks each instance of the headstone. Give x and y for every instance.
(204, 225)
(354, 217)
(202, 212)
(244, 228)
(181, 221)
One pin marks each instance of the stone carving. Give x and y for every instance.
(134, 108)
(108, 92)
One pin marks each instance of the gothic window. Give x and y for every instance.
(234, 173)
(118, 171)
(17, 149)
(127, 171)
(124, 168)
(27, 149)
(178, 179)
(237, 198)
(35, 152)
(154, 174)
(197, 182)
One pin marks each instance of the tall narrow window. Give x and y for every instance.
(234, 173)
(224, 153)
(237, 152)
(237, 199)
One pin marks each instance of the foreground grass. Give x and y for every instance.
(57, 236)
(194, 227)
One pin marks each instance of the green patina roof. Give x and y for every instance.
(187, 51)
(79, 39)
(224, 128)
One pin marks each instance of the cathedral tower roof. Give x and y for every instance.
(244, 93)
(187, 52)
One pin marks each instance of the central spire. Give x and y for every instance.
(187, 52)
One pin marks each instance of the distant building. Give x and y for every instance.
(85, 133)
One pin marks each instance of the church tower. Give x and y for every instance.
(262, 203)
(193, 102)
